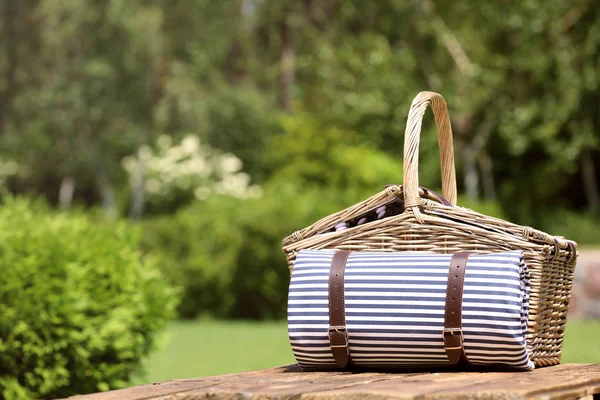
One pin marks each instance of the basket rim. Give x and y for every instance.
(430, 205)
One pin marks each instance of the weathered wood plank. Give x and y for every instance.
(159, 389)
(566, 381)
(569, 381)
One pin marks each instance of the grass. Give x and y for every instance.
(581, 342)
(206, 347)
(203, 348)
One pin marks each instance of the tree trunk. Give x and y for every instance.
(475, 153)
(138, 198)
(448, 39)
(9, 19)
(287, 63)
(106, 192)
(590, 181)
(236, 71)
(486, 166)
(471, 176)
(65, 193)
(313, 7)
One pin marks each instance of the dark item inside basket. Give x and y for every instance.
(388, 209)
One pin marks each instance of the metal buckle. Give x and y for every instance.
(451, 332)
(339, 329)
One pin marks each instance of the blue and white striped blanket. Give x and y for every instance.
(395, 309)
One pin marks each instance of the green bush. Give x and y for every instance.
(79, 306)
(311, 153)
(225, 253)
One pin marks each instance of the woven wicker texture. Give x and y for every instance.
(425, 225)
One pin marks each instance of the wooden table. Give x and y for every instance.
(568, 381)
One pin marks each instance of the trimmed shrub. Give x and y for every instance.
(79, 306)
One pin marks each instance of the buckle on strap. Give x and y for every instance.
(338, 329)
(451, 332)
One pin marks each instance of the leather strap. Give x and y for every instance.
(453, 335)
(338, 334)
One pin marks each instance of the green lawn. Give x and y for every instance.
(581, 342)
(202, 348)
(205, 347)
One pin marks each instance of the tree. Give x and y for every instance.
(69, 115)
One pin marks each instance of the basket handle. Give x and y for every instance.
(411, 149)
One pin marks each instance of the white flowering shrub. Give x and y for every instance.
(174, 174)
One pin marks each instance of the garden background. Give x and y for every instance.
(153, 154)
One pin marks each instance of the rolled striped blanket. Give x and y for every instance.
(395, 306)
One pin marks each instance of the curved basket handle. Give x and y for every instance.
(411, 149)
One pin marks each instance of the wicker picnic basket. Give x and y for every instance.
(410, 218)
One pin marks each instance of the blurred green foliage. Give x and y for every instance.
(80, 306)
(491, 208)
(242, 122)
(84, 84)
(312, 97)
(225, 254)
(310, 153)
(581, 227)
